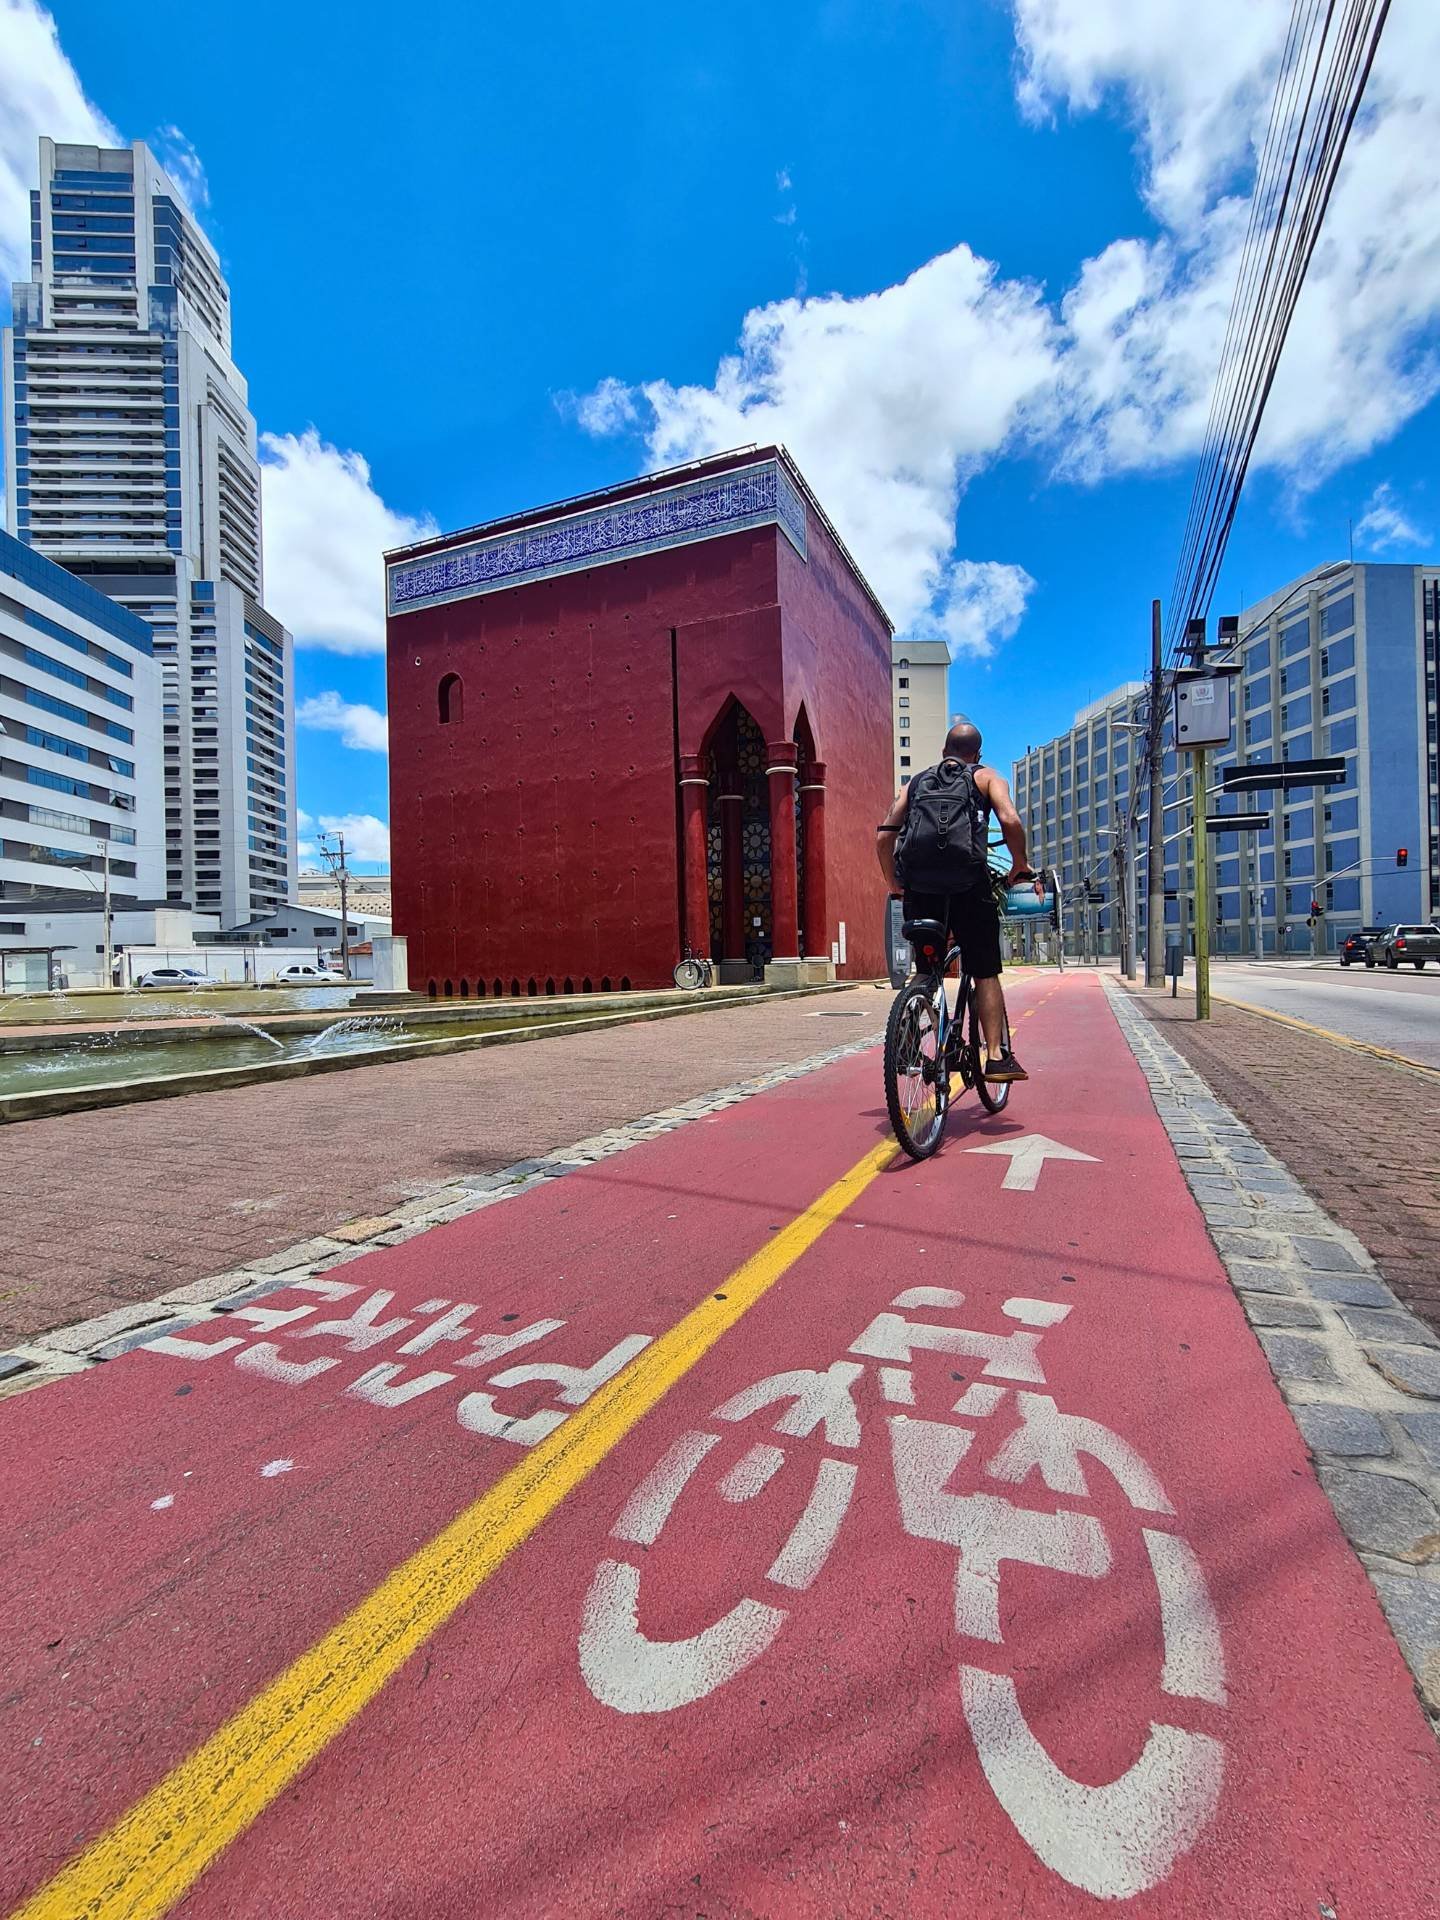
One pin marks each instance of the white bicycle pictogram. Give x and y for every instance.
(1113, 1840)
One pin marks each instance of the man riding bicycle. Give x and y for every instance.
(932, 846)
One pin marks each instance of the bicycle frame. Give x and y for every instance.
(947, 1023)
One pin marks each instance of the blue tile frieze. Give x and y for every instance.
(762, 495)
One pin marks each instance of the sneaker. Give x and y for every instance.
(1004, 1066)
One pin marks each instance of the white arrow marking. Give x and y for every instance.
(1027, 1156)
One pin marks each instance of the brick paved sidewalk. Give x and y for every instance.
(99, 1209)
(1363, 1136)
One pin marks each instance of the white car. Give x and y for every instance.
(175, 979)
(304, 973)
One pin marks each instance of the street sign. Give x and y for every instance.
(1235, 822)
(1095, 896)
(1263, 774)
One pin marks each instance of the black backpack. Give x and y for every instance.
(941, 847)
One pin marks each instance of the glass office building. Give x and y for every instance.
(1341, 662)
(131, 456)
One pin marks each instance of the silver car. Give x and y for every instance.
(175, 979)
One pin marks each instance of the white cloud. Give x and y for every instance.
(892, 401)
(1385, 524)
(366, 838)
(1146, 318)
(609, 408)
(40, 92)
(326, 529)
(176, 153)
(358, 725)
(1196, 81)
(889, 401)
(981, 604)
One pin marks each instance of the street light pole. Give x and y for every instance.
(109, 943)
(1200, 838)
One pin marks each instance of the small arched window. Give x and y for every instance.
(452, 700)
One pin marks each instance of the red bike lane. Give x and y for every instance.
(979, 1562)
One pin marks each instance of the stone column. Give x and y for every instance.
(733, 964)
(694, 793)
(784, 906)
(812, 834)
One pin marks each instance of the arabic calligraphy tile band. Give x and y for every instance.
(761, 495)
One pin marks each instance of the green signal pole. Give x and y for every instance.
(1200, 835)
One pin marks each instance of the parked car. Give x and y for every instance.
(175, 979)
(305, 973)
(1397, 945)
(1357, 946)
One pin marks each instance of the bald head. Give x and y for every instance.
(963, 742)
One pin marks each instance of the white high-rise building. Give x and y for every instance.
(920, 670)
(131, 454)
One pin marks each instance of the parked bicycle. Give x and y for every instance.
(694, 971)
(927, 1047)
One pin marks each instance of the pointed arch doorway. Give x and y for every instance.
(737, 866)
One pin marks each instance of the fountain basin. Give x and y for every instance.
(505, 1024)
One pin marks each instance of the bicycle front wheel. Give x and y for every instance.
(916, 1080)
(689, 975)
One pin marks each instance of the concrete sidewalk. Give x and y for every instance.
(107, 1208)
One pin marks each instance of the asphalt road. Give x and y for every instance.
(752, 1524)
(1396, 1010)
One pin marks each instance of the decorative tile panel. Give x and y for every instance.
(757, 496)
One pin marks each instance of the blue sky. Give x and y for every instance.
(483, 258)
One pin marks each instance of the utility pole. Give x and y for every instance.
(335, 860)
(344, 873)
(1155, 853)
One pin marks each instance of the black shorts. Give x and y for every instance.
(974, 926)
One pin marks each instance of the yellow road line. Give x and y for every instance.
(1324, 1033)
(147, 1860)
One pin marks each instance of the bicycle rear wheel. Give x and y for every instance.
(994, 1094)
(916, 1079)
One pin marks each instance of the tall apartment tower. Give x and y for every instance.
(920, 671)
(131, 455)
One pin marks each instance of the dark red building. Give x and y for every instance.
(647, 716)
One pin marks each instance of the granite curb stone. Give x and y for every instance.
(1359, 1372)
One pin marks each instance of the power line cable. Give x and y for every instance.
(1324, 71)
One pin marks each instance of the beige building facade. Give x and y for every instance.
(920, 673)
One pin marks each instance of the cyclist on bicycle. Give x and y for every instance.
(931, 848)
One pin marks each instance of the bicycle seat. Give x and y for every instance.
(924, 933)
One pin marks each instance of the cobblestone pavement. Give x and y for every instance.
(123, 1205)
(1362, 1136)
(1360, 1373)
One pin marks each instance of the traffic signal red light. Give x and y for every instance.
(1402, 856)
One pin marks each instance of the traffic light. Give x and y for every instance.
(1314, 906)
(1402, 856)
